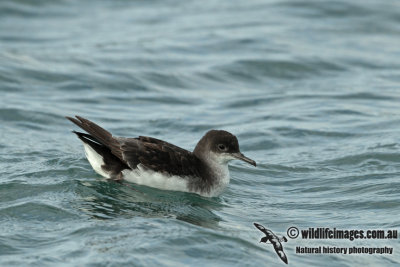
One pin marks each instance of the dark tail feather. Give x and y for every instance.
(102, 136)
(86, 137)
(92, 142)
(98, 134)
(112, 164)
(93, 129)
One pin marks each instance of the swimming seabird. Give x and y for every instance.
(156, 163)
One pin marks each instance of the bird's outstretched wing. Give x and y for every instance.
(281, 254)
(261, 228)
(151, 153)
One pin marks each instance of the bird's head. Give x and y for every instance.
(220, 146)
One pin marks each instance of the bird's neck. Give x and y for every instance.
(214, 171)
(217, 167)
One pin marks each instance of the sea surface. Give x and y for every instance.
(310, 88)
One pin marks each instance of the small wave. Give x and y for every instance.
(250, 69)
(316, 9)
(32, 211)
(364, 159)
(32, 116)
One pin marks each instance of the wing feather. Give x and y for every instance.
(281, 254)
(152, 153)
(159, 156)
(261, 228)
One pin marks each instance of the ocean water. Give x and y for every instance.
(310, 88)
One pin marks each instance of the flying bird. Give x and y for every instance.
(274, 240)
(152, 162)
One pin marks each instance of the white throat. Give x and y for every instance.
(219, 166)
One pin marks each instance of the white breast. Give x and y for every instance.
(221, 172)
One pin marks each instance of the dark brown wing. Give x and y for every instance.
(159, 156)
(152, 153)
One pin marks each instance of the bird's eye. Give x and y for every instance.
(222, 147)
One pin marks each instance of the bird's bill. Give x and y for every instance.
(242, 157)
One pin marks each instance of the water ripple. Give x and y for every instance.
(310, 90)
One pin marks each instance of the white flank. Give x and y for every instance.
(95, 160)
(154, 179)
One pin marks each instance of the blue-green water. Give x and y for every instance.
(311, 89)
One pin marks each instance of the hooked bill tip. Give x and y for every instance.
(242, 157)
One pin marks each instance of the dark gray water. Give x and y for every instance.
(311, 89)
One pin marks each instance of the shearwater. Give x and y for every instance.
(152, 162)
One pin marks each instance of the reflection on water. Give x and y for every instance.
(108, 200)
